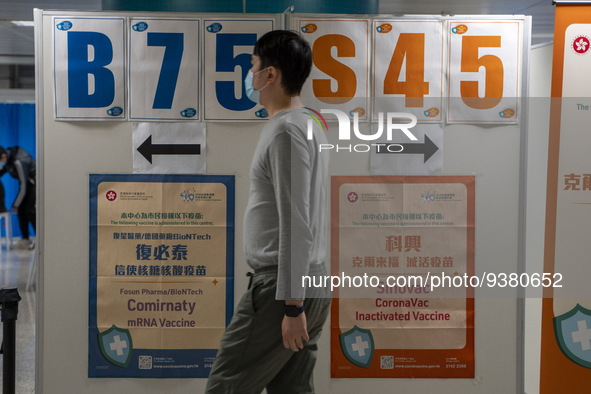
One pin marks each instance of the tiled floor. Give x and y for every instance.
(15, 266)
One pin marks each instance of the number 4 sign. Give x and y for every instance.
(484, 71)
(408, 68)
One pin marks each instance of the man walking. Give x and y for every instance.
(272, 340)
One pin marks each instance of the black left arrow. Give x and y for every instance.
(147, 149)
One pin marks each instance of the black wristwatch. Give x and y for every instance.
(293, 310)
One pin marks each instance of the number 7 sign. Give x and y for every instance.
(164, 69)
(485, 60)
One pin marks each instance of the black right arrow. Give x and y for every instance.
(427, 148)
(147, 149)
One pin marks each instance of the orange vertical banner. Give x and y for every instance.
(566, 309)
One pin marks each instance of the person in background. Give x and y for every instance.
(2, 197)
(21, 166)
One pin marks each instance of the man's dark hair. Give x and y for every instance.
(288, 52)
(3, 151)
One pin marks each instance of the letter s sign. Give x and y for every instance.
(89, 68)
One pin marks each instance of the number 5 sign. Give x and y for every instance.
(484, 71)
(228, 48)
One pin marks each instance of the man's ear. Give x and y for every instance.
(273, 74)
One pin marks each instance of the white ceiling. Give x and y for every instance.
(16, 42)
(23, 9)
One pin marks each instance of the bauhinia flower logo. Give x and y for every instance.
(111, 195)
(581, 45)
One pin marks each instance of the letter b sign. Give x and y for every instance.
(89, 68)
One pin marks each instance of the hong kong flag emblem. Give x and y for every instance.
(111, 195)
(581, 45)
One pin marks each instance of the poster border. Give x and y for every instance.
(357, 372)
(184, 354)
(557, 372)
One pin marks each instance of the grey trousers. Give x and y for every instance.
(252, 356)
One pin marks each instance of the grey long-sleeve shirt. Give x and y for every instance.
(285, 220)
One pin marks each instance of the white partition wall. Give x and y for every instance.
(69, 151)
(537, 158)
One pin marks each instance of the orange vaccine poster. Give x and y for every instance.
(391, 236)
(566, 308)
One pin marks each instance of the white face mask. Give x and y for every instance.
(251, 93)
(2, 164)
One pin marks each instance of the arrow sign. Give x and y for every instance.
(428, 148)
(147, 149)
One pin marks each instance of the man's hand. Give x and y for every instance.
(294, 332)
